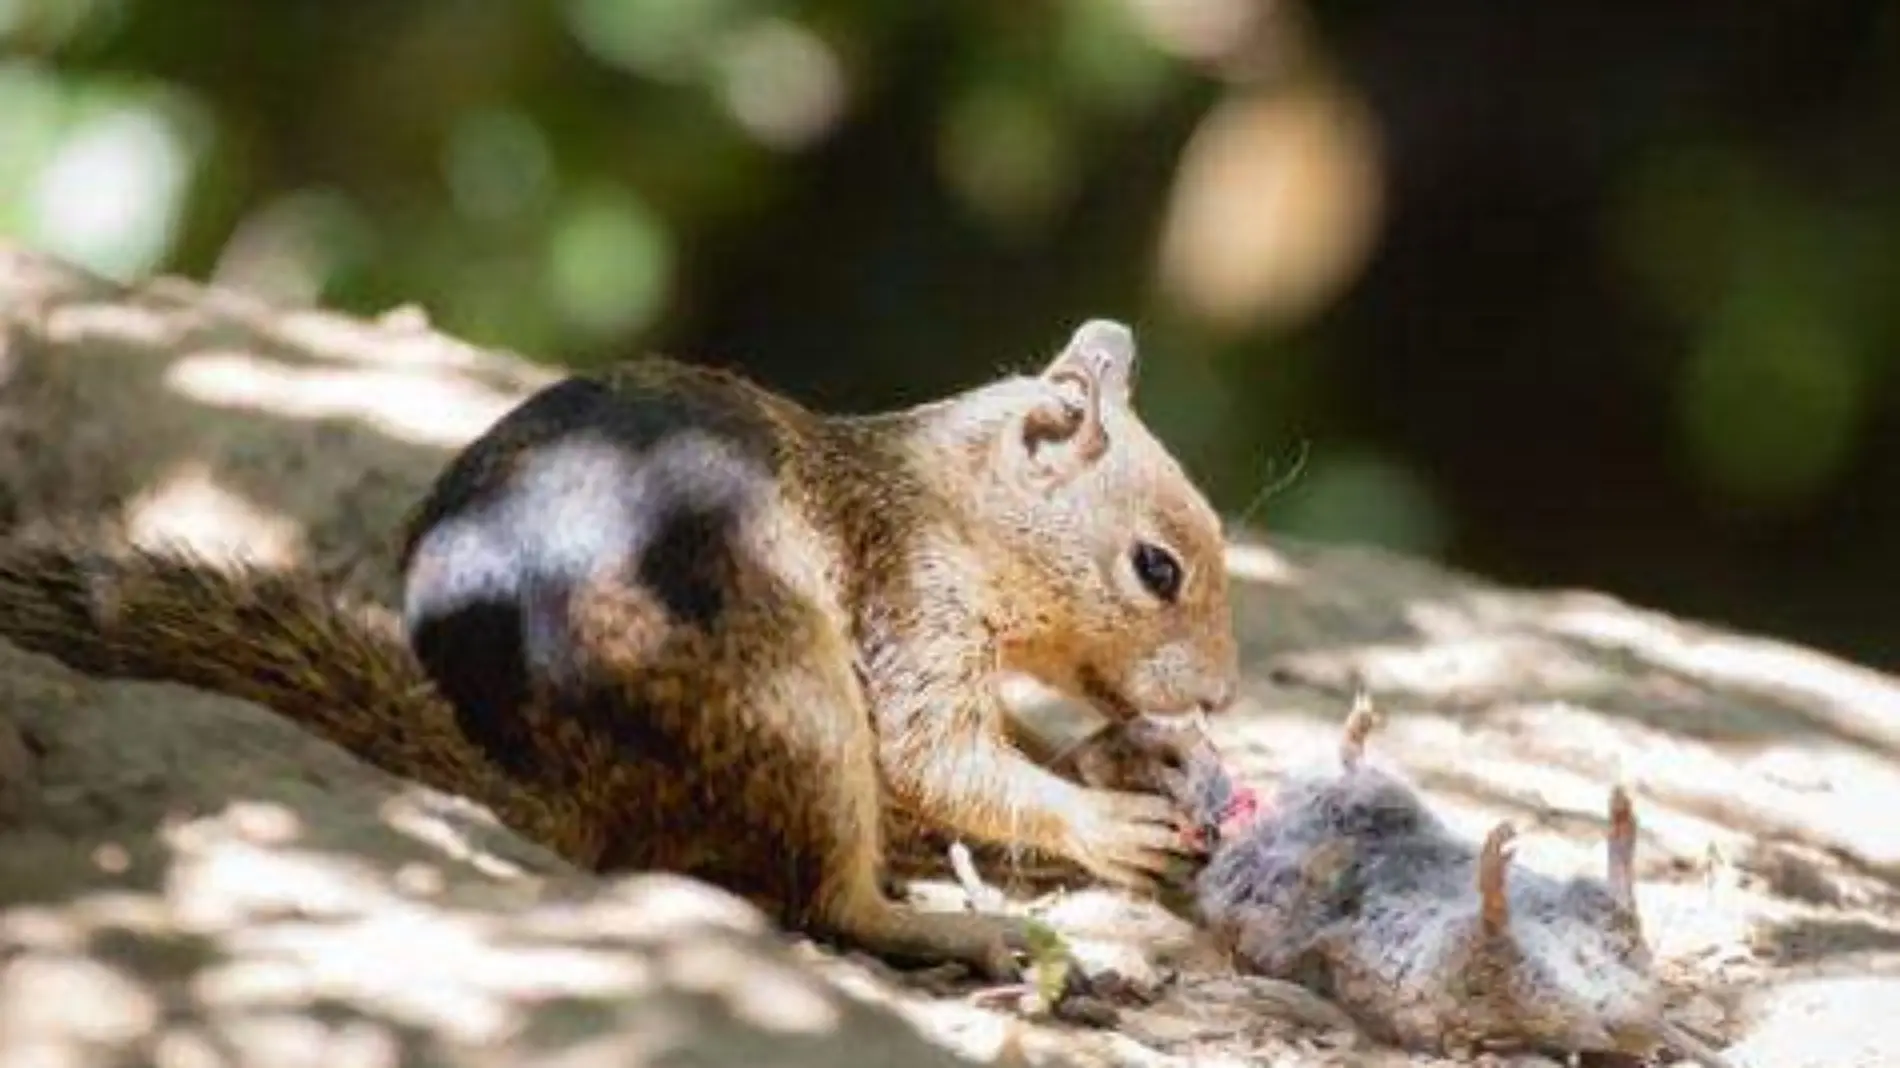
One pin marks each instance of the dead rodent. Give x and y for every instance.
(1344, 881)
(686, 624)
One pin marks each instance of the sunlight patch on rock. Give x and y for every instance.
(416, 407)
(191, 505)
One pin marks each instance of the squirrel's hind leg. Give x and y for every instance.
(753, 764)
(845, 838)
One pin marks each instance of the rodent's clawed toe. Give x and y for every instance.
(1360, 723)
(1492, 861)
(1622, 810)
(1621, 865)
(1129, 838)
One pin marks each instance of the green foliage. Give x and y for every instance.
(1049, 964)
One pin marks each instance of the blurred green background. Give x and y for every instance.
(1562, 293)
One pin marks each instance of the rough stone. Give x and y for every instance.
(187, 880)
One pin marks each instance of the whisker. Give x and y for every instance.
(1274, 486)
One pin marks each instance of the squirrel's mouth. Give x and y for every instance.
(1106, 699)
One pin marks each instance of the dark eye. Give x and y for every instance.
(1158, 570)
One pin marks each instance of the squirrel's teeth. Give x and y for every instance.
(1192, 721)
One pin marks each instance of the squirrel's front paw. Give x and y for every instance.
(1130, 839)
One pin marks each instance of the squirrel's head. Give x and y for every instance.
(1113, 578)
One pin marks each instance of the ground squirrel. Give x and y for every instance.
(1345, 882)
(698, 627)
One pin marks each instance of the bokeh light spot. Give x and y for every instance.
(663, 39)
(1772, 289)
(1275, 206)
(30, 112)
(1103, 51)
(1676, 224)
(1367, 498)
(609, 263)
(49, 24)
(110, 196)
(1771, 399)
(1006, 154)
(782, 83)
(497, 164)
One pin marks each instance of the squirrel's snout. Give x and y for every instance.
(1220, 696)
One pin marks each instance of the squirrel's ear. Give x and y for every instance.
(1100, 357)
(1062, 434)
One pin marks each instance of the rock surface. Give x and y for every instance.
(186, 880)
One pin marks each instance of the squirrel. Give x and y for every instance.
(1345, 882)
(683, 623)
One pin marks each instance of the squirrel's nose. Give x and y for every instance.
(1221, 697)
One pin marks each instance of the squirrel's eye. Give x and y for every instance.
(1158, 570)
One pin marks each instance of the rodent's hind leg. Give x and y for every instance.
(1493, 861)
(1360, 723)
(1621, 847)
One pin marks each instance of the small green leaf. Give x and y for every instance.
(1049, 964)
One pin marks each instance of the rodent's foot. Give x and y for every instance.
(1493, 859)
(1621, 867)
(1360, 723)
(987, 944)
(1003, 940)
(1130, 839)
(991, 945)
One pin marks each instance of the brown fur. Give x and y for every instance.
(820, 646)
(340, 669)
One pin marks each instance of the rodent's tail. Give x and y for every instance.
(277, 638)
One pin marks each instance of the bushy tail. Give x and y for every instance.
(271, 637)
(279, 639)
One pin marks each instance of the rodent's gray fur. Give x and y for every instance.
(1347, 883)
